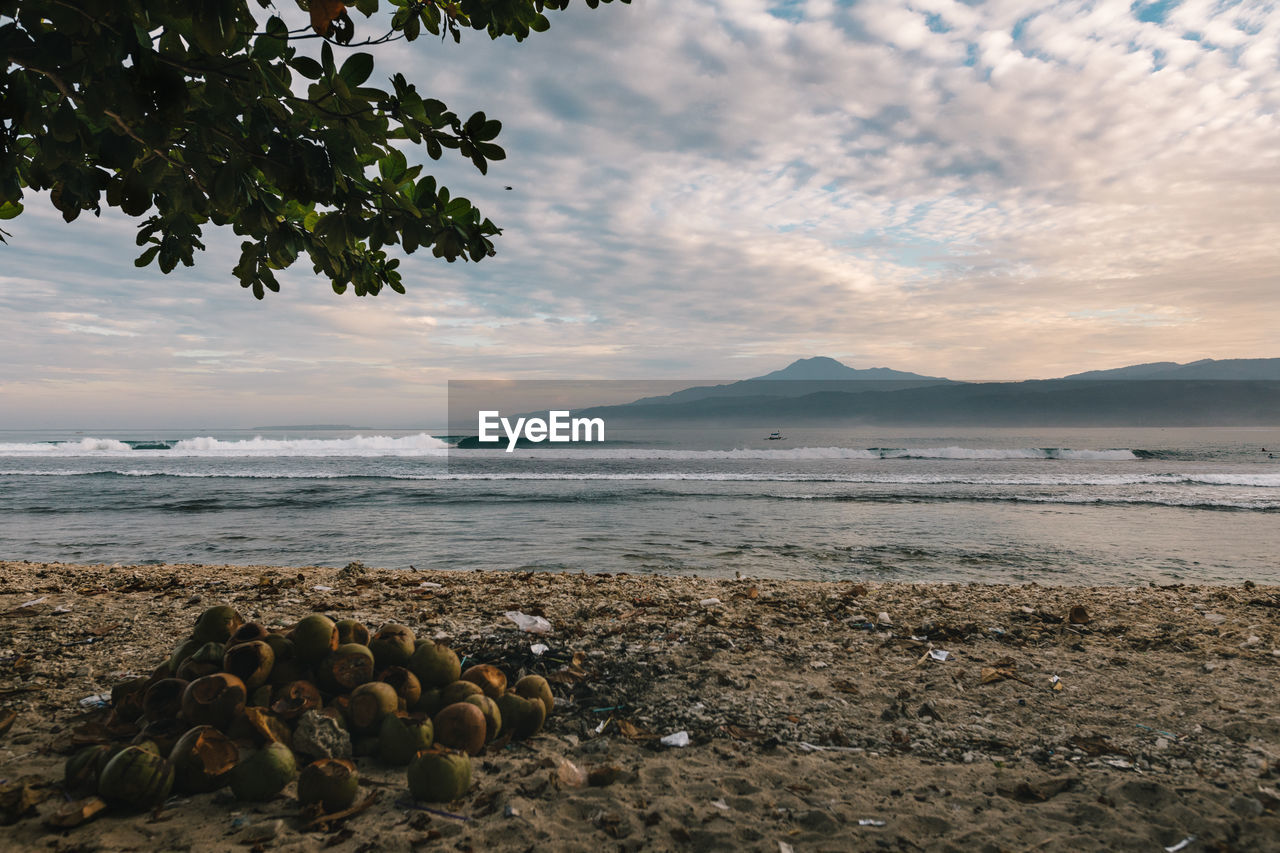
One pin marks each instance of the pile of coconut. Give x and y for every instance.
(309, 698)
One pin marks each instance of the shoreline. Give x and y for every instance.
(810, 706)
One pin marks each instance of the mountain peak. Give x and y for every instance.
(822, 368)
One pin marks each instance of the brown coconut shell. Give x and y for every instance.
(406, 684)
(163, 699)
(460, 726)
(202, 760)
(370, 702)
(251, 662)
(295, 699)
(488, 678)
(214, 700)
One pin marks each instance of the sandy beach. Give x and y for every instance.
(819, 715)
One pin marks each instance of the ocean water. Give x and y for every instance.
(1062, 507)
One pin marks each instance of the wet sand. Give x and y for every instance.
(820, 715)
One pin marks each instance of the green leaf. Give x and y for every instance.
(10, 209)
(357, 68)
(307, 67)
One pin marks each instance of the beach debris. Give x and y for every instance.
(784, 847)
(939, 654)
(7, 716)
(1055, 683)
(870, 821)
(96, 700)
(76, 813)
(1078, 615)
(491, 680)
(322, 588)
(529, 624)
(539, 649)
(1181, 845)
(332, 783)
(680, 738)
(439, 775)
(19, 797)
(521, 717)
(883, 620)
(569, 774)
(709, 602)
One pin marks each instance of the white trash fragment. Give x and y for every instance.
(1119, 763)
(33, 602)
(1181, 845)
(939, 654)
(430, 585)
(720, 804)
(784, 847)
(600, 728)
(322, 588)
(539, 649)
(919, 639)
(527, 623)
(709, 602)
(62, 608)
(883, 619)
(869, 821)
(678, 739)
(97, 700)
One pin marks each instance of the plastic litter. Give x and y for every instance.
(869, 821)
(784, 847)
(33, 602)
(720, 804)
(1181, 845)
(527, 623)
(539, 649)
(709, 602)
(1056, 682)
(97, 700)
(322, 588)
(939, 654)
(430, 585)
(680, 738)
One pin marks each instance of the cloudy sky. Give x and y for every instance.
(713, 188)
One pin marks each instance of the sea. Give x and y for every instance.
(1077, 507)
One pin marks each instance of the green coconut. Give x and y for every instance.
(435, 664)
(163, 699)
(393, 645)
(439, 775)
(205, 660)
(405, 683)
(330, 782)
(460, 726)
(314, 637)
(488, 678)
(217, 624)
(136, 778)
(457, 691)
(429, 702)
(492, 716)
(264, 774)
(202, 760)
(401, 737)
(351, 631)
(251, 662)
(348, 667)
(160, 735)
(184, 650)
(520, 716)
(370, 702)
(214, 700)
(287, 667)
(82, 769)
(536, 687)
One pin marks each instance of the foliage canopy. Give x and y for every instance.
(188, 113)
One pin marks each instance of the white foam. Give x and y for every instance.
(207, 446)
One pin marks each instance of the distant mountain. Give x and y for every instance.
(821, 368)
(1040, 403)
(803, 376)
(1265, 369)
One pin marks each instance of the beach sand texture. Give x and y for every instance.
(817, 718)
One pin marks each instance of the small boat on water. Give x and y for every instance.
(775, 436)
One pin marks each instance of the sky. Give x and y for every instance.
(713, 188)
